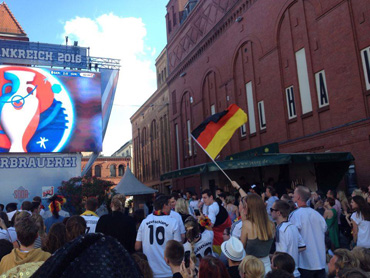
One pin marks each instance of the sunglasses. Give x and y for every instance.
(271, 209)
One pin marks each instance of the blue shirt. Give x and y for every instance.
(51, 220)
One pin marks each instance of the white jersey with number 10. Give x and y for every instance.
(154, 232)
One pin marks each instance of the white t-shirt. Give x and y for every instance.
(4, 235)
(363, 235)
(194, 204)
(154, 232)
(13, 234)
(236, 229)
(312, 227)
(289, 242)
(178, 218)
(211, 211)
(91, 221)
(203, 247)
(11, 214)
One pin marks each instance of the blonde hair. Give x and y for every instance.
(230, 199)
(357, 192)
(118, 201)
(252, 267)
(363, 255)
(182, 206)
(257, 214)
(40, 224)
(343, 199)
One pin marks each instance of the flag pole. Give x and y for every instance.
(212, 159)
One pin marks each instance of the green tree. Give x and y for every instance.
(77, 190)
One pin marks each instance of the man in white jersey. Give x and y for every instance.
(89, 215)
(312, 226)
(210, 207)
(172, 202)
(153, 234)
(287, 239)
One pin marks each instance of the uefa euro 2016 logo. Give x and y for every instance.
(36, 111)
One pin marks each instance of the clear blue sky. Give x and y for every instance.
(131, 30)
(43, 20)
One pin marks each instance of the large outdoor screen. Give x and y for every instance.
(49, 110)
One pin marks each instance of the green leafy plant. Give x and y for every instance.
(77, 190)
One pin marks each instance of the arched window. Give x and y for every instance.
(143, 137)
(97, 171)
(121, 170)
(112, 169)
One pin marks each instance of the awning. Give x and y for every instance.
(189, 171)
(260, 161)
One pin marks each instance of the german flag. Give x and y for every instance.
(217, 130)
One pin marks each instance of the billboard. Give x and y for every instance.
(43, 54)
(49, 110)
(24, 176)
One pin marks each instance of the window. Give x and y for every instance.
(143, 137)
(322, 91)
(189, 138)
(250, 103)
(121, 170)
(290, 102)
(213, 109)
(304, 85)
(153, 130)
(261, 113)
(365, 56)
(174, 16)
(177, 145)
(112, 169)
(243, 130)
(97, 170)
(174, 101)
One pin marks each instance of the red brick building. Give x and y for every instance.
(107, 167)
(299, 68)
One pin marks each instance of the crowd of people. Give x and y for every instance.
(241, 233)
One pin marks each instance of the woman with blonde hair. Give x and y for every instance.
(232, 209)
(341, 196)
(257, 230)
(182, 207)
(251, 267)
(41, 234)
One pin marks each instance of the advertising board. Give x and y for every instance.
(43, 54)
(49, 110)
(25, 176)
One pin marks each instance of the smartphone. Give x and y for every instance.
(197, 212)
(187, 259)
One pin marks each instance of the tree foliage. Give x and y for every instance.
(77, 190)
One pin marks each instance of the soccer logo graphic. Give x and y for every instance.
(36, 111)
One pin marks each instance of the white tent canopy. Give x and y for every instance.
(130, 186)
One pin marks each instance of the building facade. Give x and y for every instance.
(125, 151)
(151, 133)
(107, 167)
(299, 68)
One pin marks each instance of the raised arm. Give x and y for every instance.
(237, 187)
